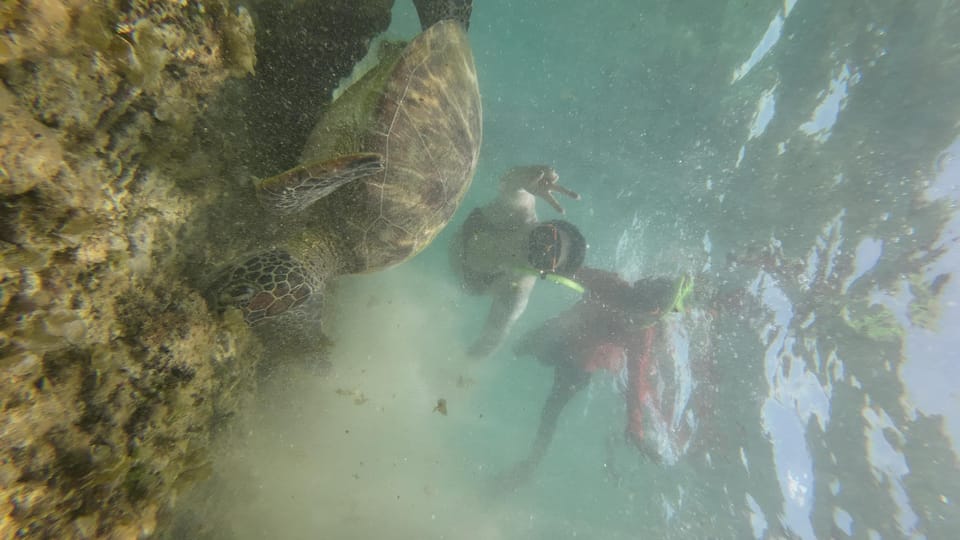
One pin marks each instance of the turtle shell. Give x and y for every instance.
(421, 112)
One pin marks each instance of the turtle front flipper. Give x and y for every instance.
(294, 190)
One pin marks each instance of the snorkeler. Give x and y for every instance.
(502, 249)
(612, 325)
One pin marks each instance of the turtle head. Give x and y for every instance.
(264, 286)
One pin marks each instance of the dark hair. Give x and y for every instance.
(556, 246)
(652, 294)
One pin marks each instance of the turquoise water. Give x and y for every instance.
(801, 158)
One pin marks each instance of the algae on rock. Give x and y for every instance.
(114, 373)
(122, 141)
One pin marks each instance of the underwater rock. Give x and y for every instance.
(115, 376)
(27, 147)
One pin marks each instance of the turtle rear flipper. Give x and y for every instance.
(294, 190)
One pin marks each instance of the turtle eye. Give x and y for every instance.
(238, 294)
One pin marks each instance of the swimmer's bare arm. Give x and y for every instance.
(510, 294)
(519, 188)
(567, 381)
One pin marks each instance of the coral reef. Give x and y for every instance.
(115, 375)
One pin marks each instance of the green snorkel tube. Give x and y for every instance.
(684, 288)
(684, 285)
(550, 276)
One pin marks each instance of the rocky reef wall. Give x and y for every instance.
(113, 373)
(114, 377)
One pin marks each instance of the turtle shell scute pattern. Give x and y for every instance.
(428, 128)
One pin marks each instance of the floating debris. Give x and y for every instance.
(441, 406)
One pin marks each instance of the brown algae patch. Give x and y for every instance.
(115, 375)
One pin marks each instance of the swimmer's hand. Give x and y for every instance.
(540, 181)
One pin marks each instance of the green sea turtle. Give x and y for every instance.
(381, 174)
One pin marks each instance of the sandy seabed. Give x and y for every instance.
(360, 452)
